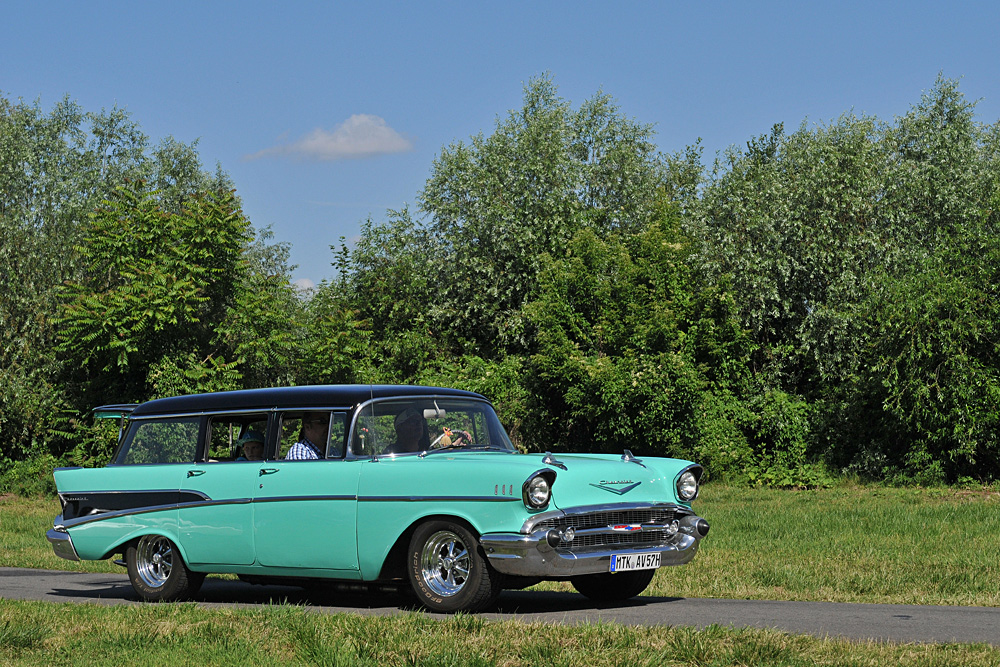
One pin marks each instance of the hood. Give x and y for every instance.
(591, 479)
(600, 479)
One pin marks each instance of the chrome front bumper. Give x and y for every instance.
(542, 553)
(62, 543)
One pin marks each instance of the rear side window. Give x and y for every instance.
(160, 441)
(237, 438)
(329, 439)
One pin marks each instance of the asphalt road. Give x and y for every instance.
(898, 623)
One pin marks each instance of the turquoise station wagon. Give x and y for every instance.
(362, 483)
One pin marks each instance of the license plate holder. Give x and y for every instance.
(629, 562)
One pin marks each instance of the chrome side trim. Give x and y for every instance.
(69, 523)
(418, 499)
(278, 499)
(72, 496)
(102, 516)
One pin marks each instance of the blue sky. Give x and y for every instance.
(328, 113)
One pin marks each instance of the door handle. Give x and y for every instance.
(195, 473)
(267, 471)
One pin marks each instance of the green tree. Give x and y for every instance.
(847, 247)
(496, 204)
(155, 285)
(54, 168)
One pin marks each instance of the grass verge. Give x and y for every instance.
(844, 544)
(35, 633)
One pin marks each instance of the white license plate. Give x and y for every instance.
(625, 562)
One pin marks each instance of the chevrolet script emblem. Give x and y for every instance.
(619, 487)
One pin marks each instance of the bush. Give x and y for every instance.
(31, 477)
(762, 440)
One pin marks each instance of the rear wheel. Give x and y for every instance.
(608, 587)
(447, 569)
(157, 571)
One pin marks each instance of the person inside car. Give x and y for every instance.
(411, 432)
(252, 445)
(312, 437)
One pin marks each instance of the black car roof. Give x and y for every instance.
(318, 396)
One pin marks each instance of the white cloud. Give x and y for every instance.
(304, 284)
(360, 136)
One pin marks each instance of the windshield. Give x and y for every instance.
(414, 425)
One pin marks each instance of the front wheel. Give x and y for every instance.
(157, 571)
(447, 569)
(609, 587)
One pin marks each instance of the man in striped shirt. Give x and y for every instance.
(312, 439)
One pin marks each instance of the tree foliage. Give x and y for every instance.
(862, 254)
(56, 169)
(155, 284)
(497, 204)
(822, 300)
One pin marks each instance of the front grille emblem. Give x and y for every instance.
(607, 486)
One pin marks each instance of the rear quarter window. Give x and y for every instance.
(161, 441)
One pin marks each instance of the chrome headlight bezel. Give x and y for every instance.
(687, 483)
(536, 492)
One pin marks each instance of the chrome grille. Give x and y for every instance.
(658, 515)
(594, 530)
(614, 540)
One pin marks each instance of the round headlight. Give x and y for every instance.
(538, 491)
(687, 486)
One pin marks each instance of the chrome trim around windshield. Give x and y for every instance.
(349, 454)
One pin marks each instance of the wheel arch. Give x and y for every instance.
(122, 544)
(394, 565)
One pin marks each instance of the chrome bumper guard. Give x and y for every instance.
(62, 543)
(545, 553)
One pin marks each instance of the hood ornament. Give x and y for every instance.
(550, 460)
(628, 457)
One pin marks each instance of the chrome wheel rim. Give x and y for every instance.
(444, 563)
(154, 558)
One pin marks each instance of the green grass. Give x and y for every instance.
(23, 523)
(36, 633)
(846, 544)
(849, 543)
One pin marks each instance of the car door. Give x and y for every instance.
(216, 525)
(218, 528)
(305, 511)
